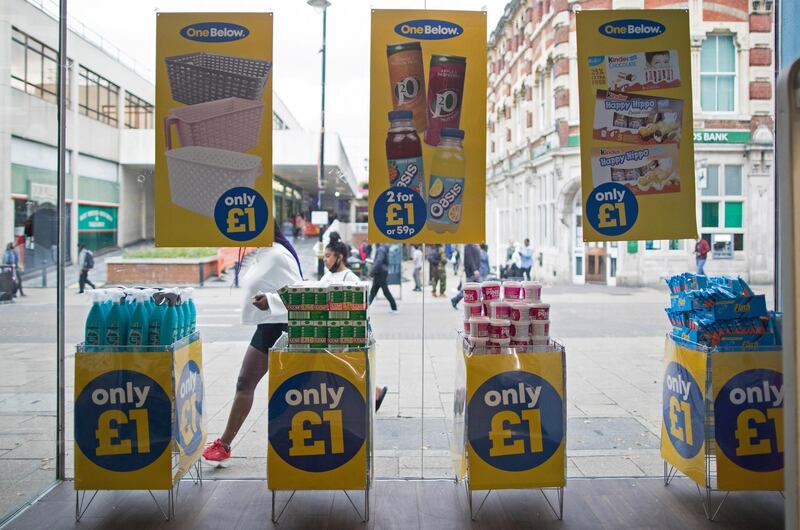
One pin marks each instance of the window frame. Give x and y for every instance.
(721, 199)
(103, 87)
(31, 45)
(717, 74)
(136, 110)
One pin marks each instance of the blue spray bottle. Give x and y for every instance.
(187, 316)
(95, 322)
(156, 317)
(139, 320)
(117, 320)
(189, 301)
(169, 323)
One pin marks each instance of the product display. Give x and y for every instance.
(721, 313)
(133, 317)
(407, 80)
(323, 315)
(634, 72)
(637, 119)
(507, 314)
(642, 170)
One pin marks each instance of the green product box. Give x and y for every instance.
(354, 332)
(334, 332)
(308, 315)
(347, 315)
(314, 299)
(338, 297)
(358, 296)
(291, 296)
(308, 332)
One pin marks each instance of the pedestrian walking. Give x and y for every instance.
(456, 260)
(439, 275)
(472, 273)
(484, 266)
(701, 250)
(433, 257)
(380, 277)
(86, 263)
(274, 267)
(526, 259)
(11, 260)
(419, 260)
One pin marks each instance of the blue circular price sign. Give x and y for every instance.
(317, 421)
(612, 209)
(683, 410)
(241, 214)
(516, 421)
(400, 212)
(123, 420)
(748, 421)
(189, 408)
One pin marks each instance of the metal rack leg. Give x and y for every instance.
(559, 513)
(669, 473)
(276, 518)
(80, 508)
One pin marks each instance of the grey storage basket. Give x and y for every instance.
(200, 77)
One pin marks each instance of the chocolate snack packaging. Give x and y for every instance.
(407, 80)
(644, 170)
(636, 72)
(637, 119)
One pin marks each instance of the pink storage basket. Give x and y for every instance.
(232, 124)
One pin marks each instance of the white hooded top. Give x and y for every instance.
(272, 268)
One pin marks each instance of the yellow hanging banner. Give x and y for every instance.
(213, 180)
(427, 179)
(683, 410)
(515, 414)
(635, 101)
(748, 419)
(319, 420)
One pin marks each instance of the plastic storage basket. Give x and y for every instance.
(200, 77)
(232, 123)
(198, 176)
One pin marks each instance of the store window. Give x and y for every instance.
(542, 100)
(718, 74)
(138, 112)
(34, 66)
(722, 206)
(675, 244)
(97, 96)
(277, 123)
(652, 245)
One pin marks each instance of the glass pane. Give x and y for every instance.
(708, 55)
(17, 60)
(733, 180)
(738, 241)
(50, 76)
(708, 93)
(712, 187)
(675, 244)
(733, 215)
(579, 266)
(710, 214)
(725, 93)
(34, 70)
(726, 54)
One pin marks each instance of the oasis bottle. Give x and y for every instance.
(447, 183)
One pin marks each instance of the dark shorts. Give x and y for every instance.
(266, 335)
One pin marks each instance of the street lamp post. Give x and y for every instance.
(321, 5)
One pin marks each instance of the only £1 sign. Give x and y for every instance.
(318, 421)
(515, 421)
(637, 151)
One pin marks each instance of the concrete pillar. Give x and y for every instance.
(6, 204)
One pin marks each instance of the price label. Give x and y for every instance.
(317, 421)
(683, 410)
(749, 420)
(612, 209)
(400, 212)
(241, 214)
(189, 408)
(516, 421)
(123, 420)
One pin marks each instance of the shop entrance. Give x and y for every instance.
(596, 254)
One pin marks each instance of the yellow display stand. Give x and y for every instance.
(722, 419)
(320, 421)
(510, 421)
(138, 419)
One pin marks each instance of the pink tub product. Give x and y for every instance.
(490, 290)
(540, 328)
(500, 309)
(472, 292)
(512, 290)
(487, 308)
(477, 344)
(499, 329)
(532, 291)
(472, 310)
(520, 343)
(520, 330)
(479, 327)
(539, 311)
(467, 328)
(518, 312)
(498, 344)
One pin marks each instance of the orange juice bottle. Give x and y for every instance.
(447, 182)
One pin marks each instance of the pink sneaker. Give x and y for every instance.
(216, 452)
